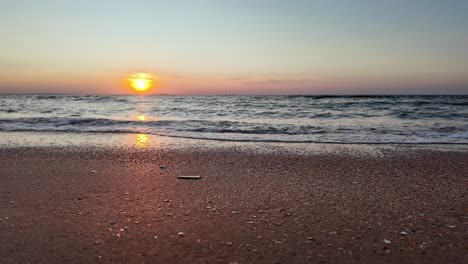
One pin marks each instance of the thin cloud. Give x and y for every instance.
(239, 78)
(278, 82)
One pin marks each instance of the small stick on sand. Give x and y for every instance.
(189, 177)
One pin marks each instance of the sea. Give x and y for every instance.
(288, 119)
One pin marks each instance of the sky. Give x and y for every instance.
(235, 46)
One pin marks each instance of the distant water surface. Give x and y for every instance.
(326, 119)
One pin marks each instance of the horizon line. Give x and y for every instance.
(327, 95)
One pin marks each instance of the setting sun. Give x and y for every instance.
(141, 82)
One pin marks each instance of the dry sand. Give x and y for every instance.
(92, 206)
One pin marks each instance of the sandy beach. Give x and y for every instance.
(233, 132)
(108, 205)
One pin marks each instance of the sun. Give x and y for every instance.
(141, 82)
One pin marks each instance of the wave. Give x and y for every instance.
(131, 126)
(224, 130)
(200, 137)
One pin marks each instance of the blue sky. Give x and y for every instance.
(236, 47)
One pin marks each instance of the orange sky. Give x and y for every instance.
(192, 84)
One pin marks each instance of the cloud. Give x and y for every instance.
(175, 76)
(14, 66)
(239, 78)
(279, 82)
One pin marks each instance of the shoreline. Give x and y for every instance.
(142, 141)
(168, 137)
(254, 203)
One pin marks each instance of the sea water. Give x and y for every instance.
(324, 119)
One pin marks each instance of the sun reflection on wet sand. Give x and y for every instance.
(142, 141)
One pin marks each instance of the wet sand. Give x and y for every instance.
(84, 205)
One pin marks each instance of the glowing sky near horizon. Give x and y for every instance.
(235, 47)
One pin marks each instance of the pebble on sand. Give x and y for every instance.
(403, 233)
(181, 234)
(386, 241)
